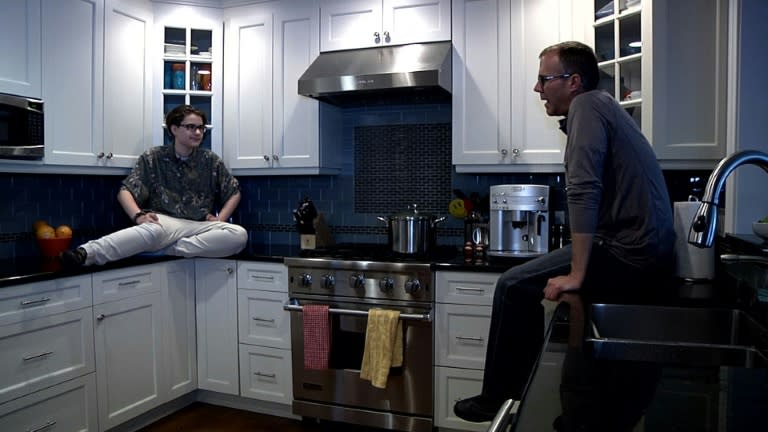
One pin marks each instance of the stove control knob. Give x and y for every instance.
(329, 281)
(357, 281)
(386, 284)
(412, 286)
(305, 279)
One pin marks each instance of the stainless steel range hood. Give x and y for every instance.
(407, 73)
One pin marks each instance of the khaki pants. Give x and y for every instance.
(171, 236)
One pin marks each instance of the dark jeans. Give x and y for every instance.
(517, 321)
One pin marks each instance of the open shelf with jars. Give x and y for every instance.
(618, 46)
(188, 72)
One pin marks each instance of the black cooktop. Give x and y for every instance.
(379, 252)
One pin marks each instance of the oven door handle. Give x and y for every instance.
(294, 306)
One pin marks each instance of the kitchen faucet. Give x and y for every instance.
(702, 231)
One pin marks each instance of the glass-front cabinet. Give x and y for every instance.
(666, 64)
(189, 67)
(187, 71)
(619, 50)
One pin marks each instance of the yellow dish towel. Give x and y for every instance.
(383, 346)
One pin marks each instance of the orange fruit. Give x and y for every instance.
(38, 224)
(45, 232)
(63, 231)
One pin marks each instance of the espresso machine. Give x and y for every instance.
(519, 225)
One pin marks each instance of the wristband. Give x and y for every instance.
(138, 214)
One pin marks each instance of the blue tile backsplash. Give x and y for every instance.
(391, 156)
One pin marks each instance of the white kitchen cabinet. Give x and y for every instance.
(452, 385)
(189, 38)
(70, 406)
(128, 341)
(265, 374)
(264, 331)
(96, 82)
(499, 122)
(216, 312)
(38, 299)
(350, 24)
(20, 25)
(271, 129)
(673, 76)
(127, 282)
(463, 303)
(179, 332)
(38, 353)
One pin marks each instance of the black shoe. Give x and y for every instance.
(477, 409)
(74, 257)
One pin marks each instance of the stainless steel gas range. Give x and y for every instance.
(351, 280)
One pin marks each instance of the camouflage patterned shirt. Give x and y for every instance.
(183, 188)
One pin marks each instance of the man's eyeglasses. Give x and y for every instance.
(543, 79)
(193, 127)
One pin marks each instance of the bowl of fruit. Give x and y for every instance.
(760, 228)
(52, 241)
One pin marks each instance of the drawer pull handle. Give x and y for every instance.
(269, 320)
(263, 277)
(129, 283)
(47, 425)
(470, 338)
(36, 356)
(478, 291)
(34, 302)
(265, 375)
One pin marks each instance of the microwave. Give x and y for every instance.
(21, 127)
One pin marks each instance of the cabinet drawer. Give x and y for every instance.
(470, 288)
(128, 282)
(70, 406)
(262, 320)
(35, 300)
(462, 335)
(265, 374)
(262, 276)
(39, 353)
(452, 385)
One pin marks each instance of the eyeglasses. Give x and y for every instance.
(543, 79)
(193, 127)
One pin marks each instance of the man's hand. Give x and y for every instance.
(147, 218)
(211, 218)
(560, 284)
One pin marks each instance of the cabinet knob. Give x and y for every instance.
(504, 152)
(376, 37)
(275, 158)
(515, 153)
(109, 155)
(100, 155)
(230, 270)
(386, 37)
(266, 158)
(100, 317)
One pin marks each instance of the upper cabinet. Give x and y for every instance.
(98, 95)
(671, 62)
(499, 122)
(349, 24)
(270, 128)
(187, 48)
(20, 43)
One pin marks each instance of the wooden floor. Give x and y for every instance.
(201, 417)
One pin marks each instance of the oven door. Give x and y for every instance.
(409, 388)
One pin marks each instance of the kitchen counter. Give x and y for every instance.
(570, 390)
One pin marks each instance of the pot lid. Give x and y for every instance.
(412, 213)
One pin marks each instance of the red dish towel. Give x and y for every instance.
(316, 337)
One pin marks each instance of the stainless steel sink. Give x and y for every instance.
(677, 335)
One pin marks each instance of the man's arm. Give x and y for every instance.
(581, 246)
(227, 209)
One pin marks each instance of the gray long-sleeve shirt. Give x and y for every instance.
(615, 187)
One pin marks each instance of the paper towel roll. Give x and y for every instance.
(690, 262)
